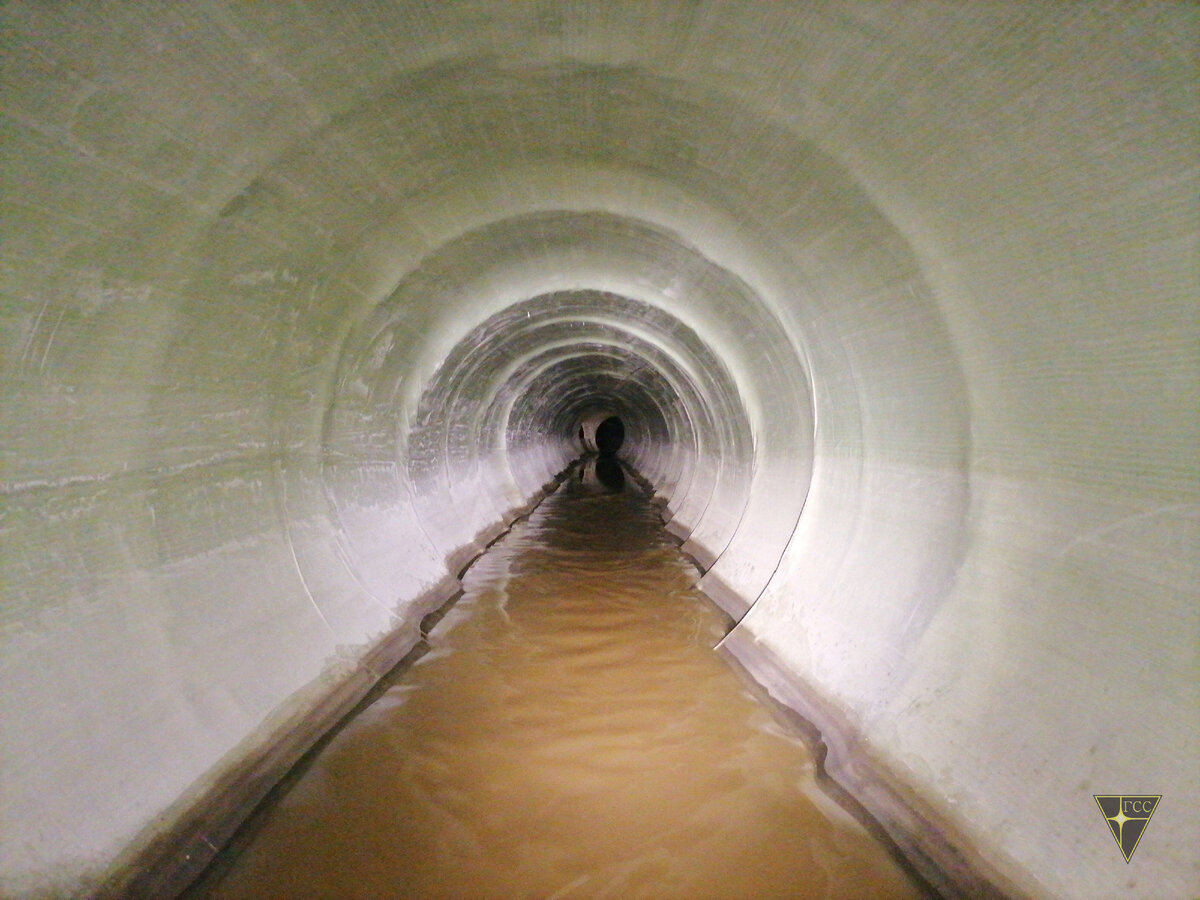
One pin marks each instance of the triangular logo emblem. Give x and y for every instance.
(1127, 816)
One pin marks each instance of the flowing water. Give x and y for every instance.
(571, 734)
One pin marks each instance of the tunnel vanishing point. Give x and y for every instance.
(304, 301)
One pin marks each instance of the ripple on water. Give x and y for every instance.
(581, 740)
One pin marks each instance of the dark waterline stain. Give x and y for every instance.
(571, 734)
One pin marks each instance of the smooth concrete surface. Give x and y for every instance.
(898, 302)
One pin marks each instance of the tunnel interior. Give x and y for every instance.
(610, 434)
(302, 304)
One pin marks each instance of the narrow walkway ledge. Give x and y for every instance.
(215, 813)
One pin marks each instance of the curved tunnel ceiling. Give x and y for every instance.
(301, 302)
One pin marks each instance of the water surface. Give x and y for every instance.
(571, 734)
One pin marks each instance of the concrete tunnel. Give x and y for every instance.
(303, 302)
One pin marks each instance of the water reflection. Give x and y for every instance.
(604, 471)
(570, 735)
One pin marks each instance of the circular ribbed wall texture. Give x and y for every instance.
(557, 283)
(301, 303)
(499, 418)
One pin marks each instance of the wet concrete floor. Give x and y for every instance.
(571, 734)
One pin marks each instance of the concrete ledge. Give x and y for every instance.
(933, 846)
(174, 849)
(173, 852)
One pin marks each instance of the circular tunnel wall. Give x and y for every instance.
(301, 303)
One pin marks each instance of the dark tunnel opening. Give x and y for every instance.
(610, 435)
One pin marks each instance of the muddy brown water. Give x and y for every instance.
(571, 734)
